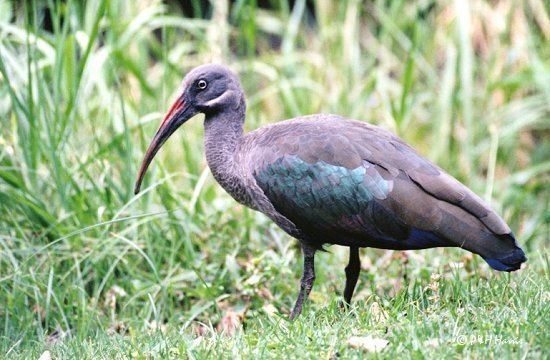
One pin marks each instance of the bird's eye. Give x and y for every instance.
(202, 84)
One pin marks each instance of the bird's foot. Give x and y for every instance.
(344, 305)
(297, 310)
(308, 277)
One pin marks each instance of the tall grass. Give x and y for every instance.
(467, 83)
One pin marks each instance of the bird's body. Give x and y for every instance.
(325, 179)
(346, 182)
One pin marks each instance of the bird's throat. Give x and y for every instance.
(222, 132)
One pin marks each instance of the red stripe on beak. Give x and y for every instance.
(176, 106)
(176, 116)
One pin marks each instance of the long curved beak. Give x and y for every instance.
(176, 116)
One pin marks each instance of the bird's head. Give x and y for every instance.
(207, 89)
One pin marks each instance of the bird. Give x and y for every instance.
(328, 180)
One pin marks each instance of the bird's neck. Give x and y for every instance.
(222, 132)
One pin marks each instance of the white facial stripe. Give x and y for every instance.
(220, 98)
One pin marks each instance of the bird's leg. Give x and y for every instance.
(308, 277)
(352, 274)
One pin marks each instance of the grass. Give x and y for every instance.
(87, 270)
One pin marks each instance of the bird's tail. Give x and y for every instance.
(500, 251)
(511, 259)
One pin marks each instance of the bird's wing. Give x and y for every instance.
(328, 173)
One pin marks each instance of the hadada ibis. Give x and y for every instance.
(326, 179)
